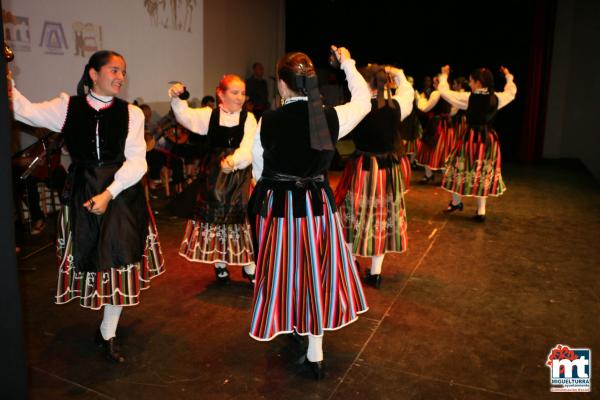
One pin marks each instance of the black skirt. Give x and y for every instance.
(114, 239)
(214, 196)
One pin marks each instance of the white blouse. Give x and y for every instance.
(198, 119)
(52, 115)
(405, 93)
(461, 99)
(349, 114)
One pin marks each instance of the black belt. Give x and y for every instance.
(301, 182)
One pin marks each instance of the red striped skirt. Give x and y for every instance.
(434, 155)
(306, 279)
(118, 286)
(373, 212)
(474, 167)
(211, 243)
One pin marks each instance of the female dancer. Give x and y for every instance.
(218, 232)
(372, 209)
(438, 134)
(107, 241)
(473, 168)
(306, 281)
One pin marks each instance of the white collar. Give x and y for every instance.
(100, 99)
(295, 99)
(481, 91)
(228, 112)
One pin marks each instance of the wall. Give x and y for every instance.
(573, 119)
(225, 37)
(239, 33)
(156, 50)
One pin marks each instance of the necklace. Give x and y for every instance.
(100, 100)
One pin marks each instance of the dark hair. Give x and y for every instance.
(484, 76)
(293, 68)
(376, 77)
(298, 72)
(463, 83)
(206, 99)
(97, 61)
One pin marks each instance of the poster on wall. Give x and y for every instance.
(171, 14)
(53, 39)
(16, 31)
(88, 38)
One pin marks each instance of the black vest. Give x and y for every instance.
(285, 138)
(441, 108)
(377, 132)
(224, 137)
(79, 131)
(117, 237)
(481, 110)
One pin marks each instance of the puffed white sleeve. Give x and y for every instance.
(242, 157)
(48, 114)
(509, 93)
(194, 119)
(426, 104)
(134, 167)
(405, 94)
(351, 113)
(257, 154)
(459, 100)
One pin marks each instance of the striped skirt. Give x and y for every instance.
(119, 286)
(406, 172)
(306, 279)
(434, 154)
(412, 146)
(373, 213)
(473, 168)
(211, 243)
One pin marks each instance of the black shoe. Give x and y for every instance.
(373, 280)
(250, 277)
(451, 207)
(479, 217)
(317, 367)
(222, 275)
(110, 348)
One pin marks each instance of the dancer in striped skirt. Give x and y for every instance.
(218, 231)
(474, 167)
(438, 134)
(306, 280)
(372, 212)
(107, 242)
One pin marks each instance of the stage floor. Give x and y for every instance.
(470, 311)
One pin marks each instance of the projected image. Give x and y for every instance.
(171, 14)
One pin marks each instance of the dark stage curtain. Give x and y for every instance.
(535, 87)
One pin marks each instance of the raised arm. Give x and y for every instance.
(510, 89)
(194, 119)
(351, 113)
(48, 114)
(405, 93)
(459, 100)
(426, 104)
